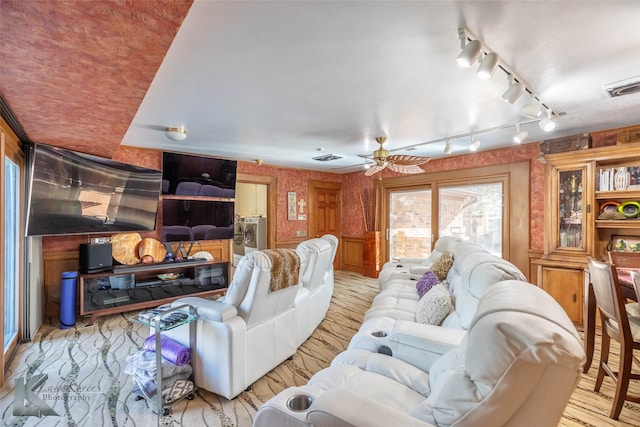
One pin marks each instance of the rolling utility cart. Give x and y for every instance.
(159, 323)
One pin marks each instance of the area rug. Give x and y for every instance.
(80, 380)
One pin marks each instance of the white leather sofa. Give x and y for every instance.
(390, 324)
(251, 329)
(517, 365)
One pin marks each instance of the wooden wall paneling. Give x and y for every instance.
(353, 254)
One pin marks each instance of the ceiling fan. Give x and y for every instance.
(397, 162)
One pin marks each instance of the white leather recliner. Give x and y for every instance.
(518, 365)
(249, 331)
(314, 296)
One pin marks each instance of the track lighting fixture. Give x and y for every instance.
(471, 51)
(488, 66)
(516, 89)
(547, 124)
(520, 135)
(448, 148)
(532, 110)
(475, 144)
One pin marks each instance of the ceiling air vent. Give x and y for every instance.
(625, 87)
(327, 158)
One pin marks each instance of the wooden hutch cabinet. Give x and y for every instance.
(576, 193)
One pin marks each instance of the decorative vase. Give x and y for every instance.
(621, 179)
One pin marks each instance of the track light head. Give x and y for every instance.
(532, 110)
(475, 144)
(514, 92)
(470, 54)
(520, 135)
(547, 124)
(488, 66)
(448, 148)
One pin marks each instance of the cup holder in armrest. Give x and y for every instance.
(299, 402)
(379, 334)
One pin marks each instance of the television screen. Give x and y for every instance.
(187, 175)
(192, 219)
(76, 193)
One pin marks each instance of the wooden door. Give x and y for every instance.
(325, 212)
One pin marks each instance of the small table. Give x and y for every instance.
(626, 285)
(163, 409)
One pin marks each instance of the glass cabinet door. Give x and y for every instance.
(571, 210)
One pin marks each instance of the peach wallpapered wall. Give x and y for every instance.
(354, 187)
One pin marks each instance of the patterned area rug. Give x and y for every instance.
(85, 383)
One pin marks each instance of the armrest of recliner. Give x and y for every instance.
(341, 407)
(210, 310)
(432, 338)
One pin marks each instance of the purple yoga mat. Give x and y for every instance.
(172, 351)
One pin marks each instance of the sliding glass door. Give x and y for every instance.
(409, 219)
(473, 212)
(11, 170)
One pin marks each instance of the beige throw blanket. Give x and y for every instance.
(285, 268)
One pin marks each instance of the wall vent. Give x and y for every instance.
(327, 157)
(624, 87)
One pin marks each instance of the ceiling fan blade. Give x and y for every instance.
(373, 170)
(405, 168)
(401, 159)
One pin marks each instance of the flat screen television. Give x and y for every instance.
(193, 219)
(76, 193)
(188, 175)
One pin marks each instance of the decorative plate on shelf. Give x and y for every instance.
(609, 206)
(203, 255)
(629, 209)
(149, 247)
(124, 248)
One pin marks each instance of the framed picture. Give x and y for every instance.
(625, 244)
(291, 206)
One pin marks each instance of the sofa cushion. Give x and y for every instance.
(426, 282)
(442, 265)
(434, 306)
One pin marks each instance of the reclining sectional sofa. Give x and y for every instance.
(254, 327)
(495, 350)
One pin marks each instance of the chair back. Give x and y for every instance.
(250, 290)
(320, 253)
(609, 299)
(635, 276)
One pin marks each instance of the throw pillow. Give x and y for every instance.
(426, 282)
(434, 306)
(442, 265)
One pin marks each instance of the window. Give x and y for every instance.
(473, 213)
(487, 205)
(410, 224)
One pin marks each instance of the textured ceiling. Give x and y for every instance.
(279, 80)
(74, 72)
